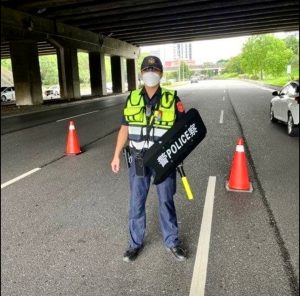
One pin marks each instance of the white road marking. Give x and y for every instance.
(224, 91)
(200, 267)
(221, 116)
(223, 98)
(77, 115)
(19, 178)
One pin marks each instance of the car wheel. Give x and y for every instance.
(272, 118)
(291, 129)
(3, 98)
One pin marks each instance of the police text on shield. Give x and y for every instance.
(166, 156)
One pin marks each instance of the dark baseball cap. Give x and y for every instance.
(152, 61)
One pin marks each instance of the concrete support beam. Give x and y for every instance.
(132, 74)
(97, 73)
(17, 25)
(68, 73)
(117, 74)
(26, 72)
(112, 46)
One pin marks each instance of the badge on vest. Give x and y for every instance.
(148, 110)
(158, 115)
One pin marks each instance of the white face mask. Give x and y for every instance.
(151, 78)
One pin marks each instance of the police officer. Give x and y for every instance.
(148, 113)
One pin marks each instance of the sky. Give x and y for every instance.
(214, 50)
(211, 50)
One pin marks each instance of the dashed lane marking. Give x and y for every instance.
(77, 115)
(221, 116)
(200, 267)
(19, 178)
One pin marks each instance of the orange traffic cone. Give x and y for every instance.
(72, 147)
(239, 177)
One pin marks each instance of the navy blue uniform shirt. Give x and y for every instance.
(154, 101)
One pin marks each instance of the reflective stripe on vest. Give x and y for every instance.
(140, 145)
(161, 120)
(139, 133)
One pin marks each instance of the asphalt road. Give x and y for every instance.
(64, 227)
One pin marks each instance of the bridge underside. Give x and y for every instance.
(148, 22)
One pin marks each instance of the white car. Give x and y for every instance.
(194, 79)
(7, 93)
(52, 91)
(285, 107)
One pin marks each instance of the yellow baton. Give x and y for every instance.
(185, 183)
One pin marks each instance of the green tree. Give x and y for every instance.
(6, 64)
(184, 71)
(210, 73)
(233, 65)
(48, 68)
(83, 67)
(277, 61)
(265, 54)
(170, 75)
(292, 42)
(222, 62)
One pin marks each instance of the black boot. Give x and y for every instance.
(131, 254)
(178, 252)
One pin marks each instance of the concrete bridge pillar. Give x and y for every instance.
(26, 72)
(97, 73)
(117, 74)
(68, 73)
(132, 74)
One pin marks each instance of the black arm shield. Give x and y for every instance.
(175, 145)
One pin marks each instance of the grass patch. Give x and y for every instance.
(280, 81)
(227, 76)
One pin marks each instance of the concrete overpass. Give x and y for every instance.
(118, 28)
(198, 68)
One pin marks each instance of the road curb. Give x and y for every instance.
(276, 87)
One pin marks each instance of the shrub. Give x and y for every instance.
(254, 77)
(243, 76)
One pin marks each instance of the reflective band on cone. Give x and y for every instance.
(239, 148)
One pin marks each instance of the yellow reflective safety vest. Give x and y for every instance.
(143, 131)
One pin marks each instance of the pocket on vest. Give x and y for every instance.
(134, 114)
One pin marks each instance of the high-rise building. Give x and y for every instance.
(182, 51)
(172, 55)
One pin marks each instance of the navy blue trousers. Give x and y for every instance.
(139, 187)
